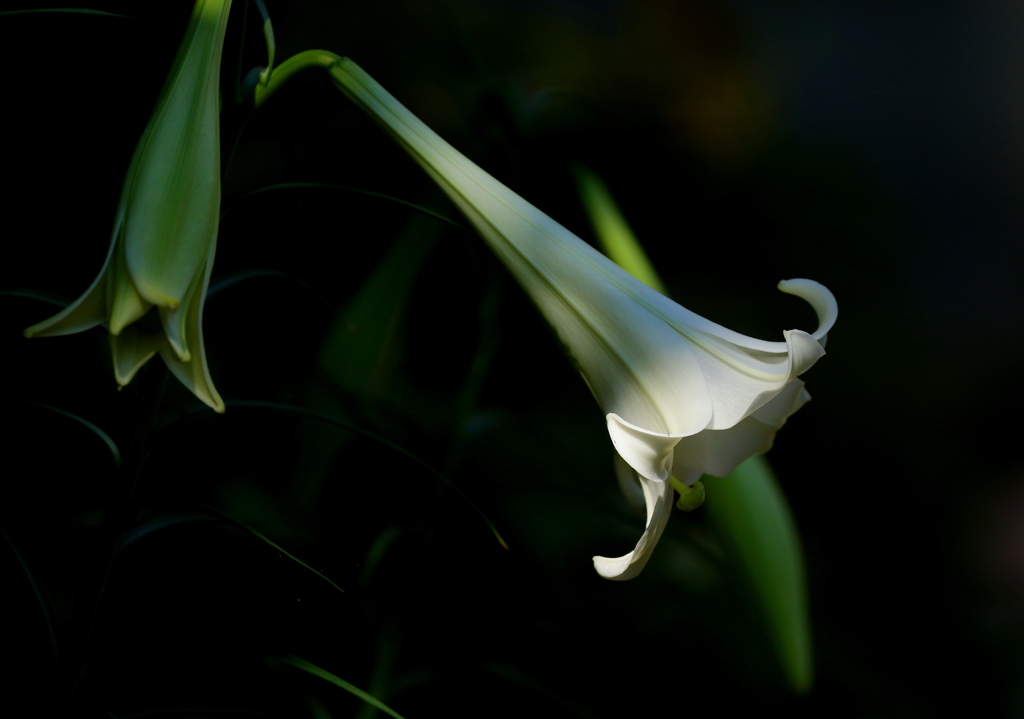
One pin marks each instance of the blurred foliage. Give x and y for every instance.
(735, 169)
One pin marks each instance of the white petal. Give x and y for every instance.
(819, 297)
(629, 484)
(718, 452)
(804, 351)
(658, 496)
(648, 453)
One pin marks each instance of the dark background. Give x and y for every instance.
(875, 147)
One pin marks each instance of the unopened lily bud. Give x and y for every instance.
(165, 232)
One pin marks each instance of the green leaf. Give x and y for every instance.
(48, 297)
(613, 232)
(755, 523)
(114, 451)
(344, 188)
(70, 10)
(242, 525)
(361, 350)
(234, 278)
(255, 404)
(153, 525)
(376, 552)
(44, 605)
(195, 711)
(354, 428)
(515, 675)
(362, 347)
(326, 675)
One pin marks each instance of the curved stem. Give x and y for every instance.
(268, 34)
(283, 72)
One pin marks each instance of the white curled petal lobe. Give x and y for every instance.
(719, 452)
(804, 351)
(648, 453)
(820, 298)
(658, 497)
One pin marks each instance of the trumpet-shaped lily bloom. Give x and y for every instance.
(165, 231)
(683, 396)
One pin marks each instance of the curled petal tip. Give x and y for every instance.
(804, 351)
(819, 297)
(658, 498)
(648, 453)
(617, 570)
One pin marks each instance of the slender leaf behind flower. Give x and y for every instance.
(754, 519)
(340, 683)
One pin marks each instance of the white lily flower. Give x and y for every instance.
(683, 396)
(165, 232)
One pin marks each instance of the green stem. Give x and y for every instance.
(283, 72)
(268, 34)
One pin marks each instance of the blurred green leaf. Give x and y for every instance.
(613, 232)
(362, 347)
(44, 604)
(377, 438)
(48, 297)
(234, 278)
(343, 188)
(104, 437)
(242, 525)
(326, 675)
(388, 641)
(361, 350)
(154, 525)
(755, 522)
(517, 676)
(376, 553)
(136, 533)
(195, 711)
(487, 346)
(71, 10)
